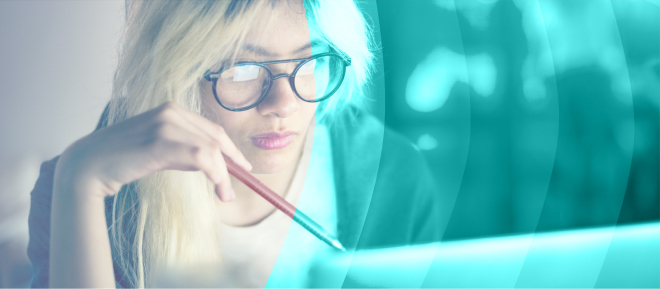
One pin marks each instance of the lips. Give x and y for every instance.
(273, 140)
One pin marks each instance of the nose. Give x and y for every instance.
(281, 101)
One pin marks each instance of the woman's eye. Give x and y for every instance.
(307, 68)
(241, 73)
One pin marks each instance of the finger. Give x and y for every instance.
(223, 140)
(181, 149)
(217, 133)
(224, 190)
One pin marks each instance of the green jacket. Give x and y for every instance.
(385, 193)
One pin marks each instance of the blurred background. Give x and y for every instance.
(56, 64)
(532, 115)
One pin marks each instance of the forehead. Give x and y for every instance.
(281, 29)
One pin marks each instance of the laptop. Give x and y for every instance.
(617, 256)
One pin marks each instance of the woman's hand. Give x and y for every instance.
(168, 137)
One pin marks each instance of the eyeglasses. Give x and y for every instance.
(244, 85)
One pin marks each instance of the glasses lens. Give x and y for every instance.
(241, 86)
(319, 77)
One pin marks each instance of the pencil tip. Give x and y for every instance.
(338, 245)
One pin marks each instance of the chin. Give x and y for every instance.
(273, 161)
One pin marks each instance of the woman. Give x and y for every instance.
(201, 79)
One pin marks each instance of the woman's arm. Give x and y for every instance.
(166, 138)
(80, 254)
(39, 224)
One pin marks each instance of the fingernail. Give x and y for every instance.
(232, 195)
(247, 166)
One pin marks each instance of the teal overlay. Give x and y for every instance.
(566, 259)
(537, 127)
(318, 202)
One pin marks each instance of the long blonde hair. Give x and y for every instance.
(169, 218)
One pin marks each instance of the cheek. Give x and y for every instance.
(308, 113)
(308, 110)
(209, 104)
(232, 122)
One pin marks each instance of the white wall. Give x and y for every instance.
(56, 64)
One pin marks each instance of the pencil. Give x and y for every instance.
(281, 204)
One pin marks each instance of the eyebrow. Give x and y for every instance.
(264, 52)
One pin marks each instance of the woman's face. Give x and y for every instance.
(272, 134)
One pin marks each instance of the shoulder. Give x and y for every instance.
(39, 223)
(386, 192)
(42, 192)
(359, 130)
(361, 141)
(41, 199)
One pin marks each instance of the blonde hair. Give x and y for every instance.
(169, 218)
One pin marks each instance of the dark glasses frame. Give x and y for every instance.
(214, 76)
